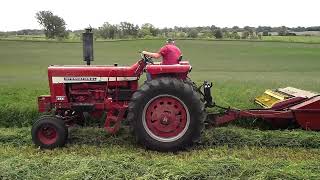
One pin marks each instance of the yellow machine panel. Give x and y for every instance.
(270, 97)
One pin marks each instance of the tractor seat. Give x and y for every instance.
(184, 63)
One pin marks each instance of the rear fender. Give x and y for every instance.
(177, 70)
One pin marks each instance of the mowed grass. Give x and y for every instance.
(239, 70)
(226, 153)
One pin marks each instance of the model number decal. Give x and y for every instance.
(60, 98)
(80, 78)
(56, 80)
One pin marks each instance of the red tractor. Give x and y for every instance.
(165, 114)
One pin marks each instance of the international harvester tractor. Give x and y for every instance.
(166, 113)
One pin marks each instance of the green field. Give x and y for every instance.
(240, 70)
(301, 39)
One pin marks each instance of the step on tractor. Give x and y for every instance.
(167, 113)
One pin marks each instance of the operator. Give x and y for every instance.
(170, 54)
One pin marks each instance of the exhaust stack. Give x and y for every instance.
(87, 41)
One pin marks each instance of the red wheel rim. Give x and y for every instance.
(47, 134)
(166, 118)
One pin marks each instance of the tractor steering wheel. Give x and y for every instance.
(147, 59)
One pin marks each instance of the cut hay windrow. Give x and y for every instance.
(92, 154)
(223, 136)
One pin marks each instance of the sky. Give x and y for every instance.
(78, 14)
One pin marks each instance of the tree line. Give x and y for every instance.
(55, 27)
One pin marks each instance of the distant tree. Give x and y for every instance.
(263, 28)
(213, 28)
(54, 26)
(181, 34)
(128, 29)
(218, 33)
(226, 34)
(283, 31)
(29, 32)
(193, 33)
(206, 33)
(249, 29)
(265, 33)
(148, 29)
(172, 35)
(225, 29)
(164, 32)
(107, 31)
(145, 30)
(298, 29)
(155, 31)
(313, 28)
(235, 28)
(135, 31)
(245, 35)
(235, 35)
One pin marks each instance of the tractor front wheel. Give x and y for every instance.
(166, 114)
(49, 132)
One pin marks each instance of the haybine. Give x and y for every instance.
(165, 114)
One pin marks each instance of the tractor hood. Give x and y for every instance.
(92, 71)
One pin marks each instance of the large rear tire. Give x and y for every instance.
(166, 114)
(49, 132)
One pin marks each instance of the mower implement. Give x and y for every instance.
(282, 107)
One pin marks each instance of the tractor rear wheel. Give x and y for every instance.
(166, 114)
(49, 132)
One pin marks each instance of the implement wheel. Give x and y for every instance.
(166, 114)
(49, 132)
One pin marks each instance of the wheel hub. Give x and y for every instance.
(47, 134)
(165, 121)
(166, 118)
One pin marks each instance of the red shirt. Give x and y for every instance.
(170, 54)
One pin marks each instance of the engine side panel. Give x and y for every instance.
(90, 96)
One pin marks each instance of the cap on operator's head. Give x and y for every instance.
(170, 41)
